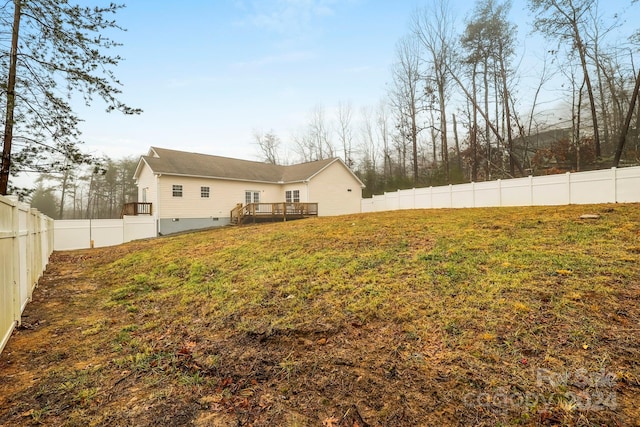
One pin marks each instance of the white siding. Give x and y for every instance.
(147, 180)
(223, 196)
(300, 186)
(330, 189)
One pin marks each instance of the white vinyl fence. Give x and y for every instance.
(26, 242)
(95, 233)
(615, 185)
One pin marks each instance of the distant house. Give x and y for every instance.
(186, 191)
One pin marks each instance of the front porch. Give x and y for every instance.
(271, 212)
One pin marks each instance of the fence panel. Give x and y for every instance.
(25, 247)
(107, 232)
(487, 194)
(441, 197)
(8, 271)
(139, 227)
(462, 196)
(26, 274)
(392, 201)
(627, 185)
(515, 192)
(72, 234)
(84, 233)
(550, 190)
(367, 206)
(423, 198)
(602, 186)
(406, 199)
(593, 187)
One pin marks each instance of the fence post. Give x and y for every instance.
(499, 192)
(450, 195)
(530, 190)
(614, 173)
(473, 193)
(568, 174)
(14, 281)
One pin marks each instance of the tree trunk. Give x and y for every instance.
(474, 131)
(65, 178)
(414, 141)
(592, 101)
(487, 125)
(443, 131)
(627, 122)
(507, 112)
(5, 167)
(455, 137)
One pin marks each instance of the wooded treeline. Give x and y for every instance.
(457, 109)
(93, 192)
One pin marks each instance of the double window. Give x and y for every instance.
(292, 196)
(251, 197)
(176, 190)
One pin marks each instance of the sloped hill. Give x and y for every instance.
(510, 316)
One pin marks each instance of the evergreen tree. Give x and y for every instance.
(57, 49)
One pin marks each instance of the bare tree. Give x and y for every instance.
(564, 20)
(319, 134)
(488, 41)
(56, 49)
(435, 28)
(344, 131)
(625, 129)
(269, 145)
(406, 96)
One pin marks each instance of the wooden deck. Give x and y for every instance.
(272, 212)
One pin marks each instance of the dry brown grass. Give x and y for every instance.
(511, 316)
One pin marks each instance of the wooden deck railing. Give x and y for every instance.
(136, 208)
(254, 212)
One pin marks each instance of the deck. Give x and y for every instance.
(272, 212)
(136, 208)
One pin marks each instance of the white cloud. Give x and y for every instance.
(284, 58)
(286, 16)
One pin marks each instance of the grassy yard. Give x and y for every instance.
(505, 316)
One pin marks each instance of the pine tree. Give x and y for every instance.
(57, 49)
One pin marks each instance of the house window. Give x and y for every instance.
(251, 197)
(292, 196)
(204, 192)
(177, 190)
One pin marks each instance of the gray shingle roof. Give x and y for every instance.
(174, 162)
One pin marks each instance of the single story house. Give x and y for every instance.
(189, 190)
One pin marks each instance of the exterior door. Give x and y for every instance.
(251, 197)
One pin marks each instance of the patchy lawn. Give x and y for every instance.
(510, 316)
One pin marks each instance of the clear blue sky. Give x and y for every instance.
(209, 73)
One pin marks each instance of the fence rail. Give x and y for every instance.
(26, 242)
(136, 208)
(615, 185)
(272, 211)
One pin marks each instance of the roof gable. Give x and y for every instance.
(173, 162)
